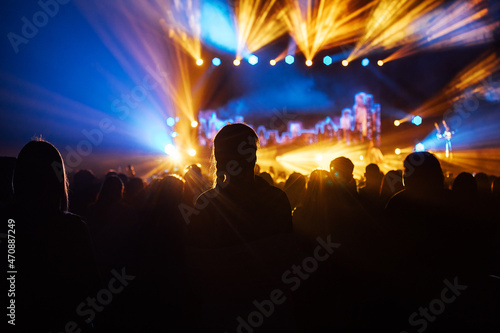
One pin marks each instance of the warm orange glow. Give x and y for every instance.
(444, 28)
(321, 24)
(391, 24)
(470, 80)
(182, 24)
(309, 63)
(258, 23)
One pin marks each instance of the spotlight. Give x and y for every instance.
(397, 123)
(397, 151)
(419, 147)
(191, 152)
(199, 62)
(365, 62)
(289, 59)
(309, 63)
(361, 157)
(170, 149)
(194, 123)
(327, 60)
(319, 158)
(253, 60)
(272, 62)
(216, 62)
(236, 62)
(345, 62)
(174, 134)
(416, 120)
(380, 62)
(170, 121)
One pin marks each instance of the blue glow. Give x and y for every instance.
(327, 60)
(253, 59)
(174, 134)
(223, 34)
(216, 61)
(365, 62)
(289, 59)
(170, 121)
(339, 57)
(419, 147)
(416, 120)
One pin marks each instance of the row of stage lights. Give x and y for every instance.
(289, 59)
(415, 120)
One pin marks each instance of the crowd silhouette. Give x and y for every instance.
(239, 251)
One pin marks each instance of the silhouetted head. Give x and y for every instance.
(133, 187)
(40, 179)
(422, 171)
(111, 190)
(267, 177)
(170, 191)
(256, 169)
(391, 183)
(193, 169)
(235, 152)
(83, 179)
(464, 185)
(193, 174)
(483, 183)
(295, 181)
(111, 173)
(317, 185)
(373, 175)
(372, 171)
(341, 169)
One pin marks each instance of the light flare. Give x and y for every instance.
(463, 23)
(181, 23)
(258, 24)
(390, 24)
(321, 24)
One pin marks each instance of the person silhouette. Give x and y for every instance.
(241, 207)
(53, 248)
(369, 194)
(238, 237)
(419, 245)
